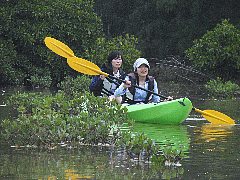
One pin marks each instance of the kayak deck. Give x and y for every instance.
(169, 112)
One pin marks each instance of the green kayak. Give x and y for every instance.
(169, 112)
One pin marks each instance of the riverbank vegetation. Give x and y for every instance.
(73, 117)
(222, 89)
(94, 28)
(217, 51)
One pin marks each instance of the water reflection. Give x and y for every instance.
(214, 152)
(214, 132)
(80, 163)
(207, 159)
(177, 136)
(73, 175)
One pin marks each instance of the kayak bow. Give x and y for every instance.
(169, 112)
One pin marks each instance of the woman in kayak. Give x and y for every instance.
(102, 85)
(140, 78)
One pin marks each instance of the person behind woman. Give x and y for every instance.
(102, 85)
(140, 78)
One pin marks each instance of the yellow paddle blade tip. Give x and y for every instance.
(58, 47)
(216, 117)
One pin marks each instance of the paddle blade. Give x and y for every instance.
(84, 66)
(58, 47)
(216, 117)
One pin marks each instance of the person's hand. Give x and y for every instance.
(102, 77)
(111, 98)
(127, 84)
(169, 98)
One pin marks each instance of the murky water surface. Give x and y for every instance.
(211, 152)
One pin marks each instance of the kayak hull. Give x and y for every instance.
(169, 112)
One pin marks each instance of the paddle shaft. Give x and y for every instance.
(124, 81)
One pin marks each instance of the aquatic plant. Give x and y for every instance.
(46, 120)
(140, 148)
(73, 116)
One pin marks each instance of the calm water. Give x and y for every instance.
(211, 152)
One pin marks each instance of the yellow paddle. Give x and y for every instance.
(58, 47)
(86, 67)
(214, 116)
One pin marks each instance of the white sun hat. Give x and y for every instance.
(139, 62)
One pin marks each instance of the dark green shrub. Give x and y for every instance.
(75, 85)
(8, 60)
(41, 78)
(26, 23)
(45, 120)
(126, 44)
(219, 88)
(218, 51)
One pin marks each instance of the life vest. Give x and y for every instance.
(129, 98)
(109, 84)
(104, 87)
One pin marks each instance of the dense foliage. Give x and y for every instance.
(126, 44)
(8, 59)
(72, 115)
(165, 27)
(218, 51)
(219, 88)
(46, 120)
(76, 85)
(138, 28)
(25, 24)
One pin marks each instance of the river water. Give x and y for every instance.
(210, 152)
